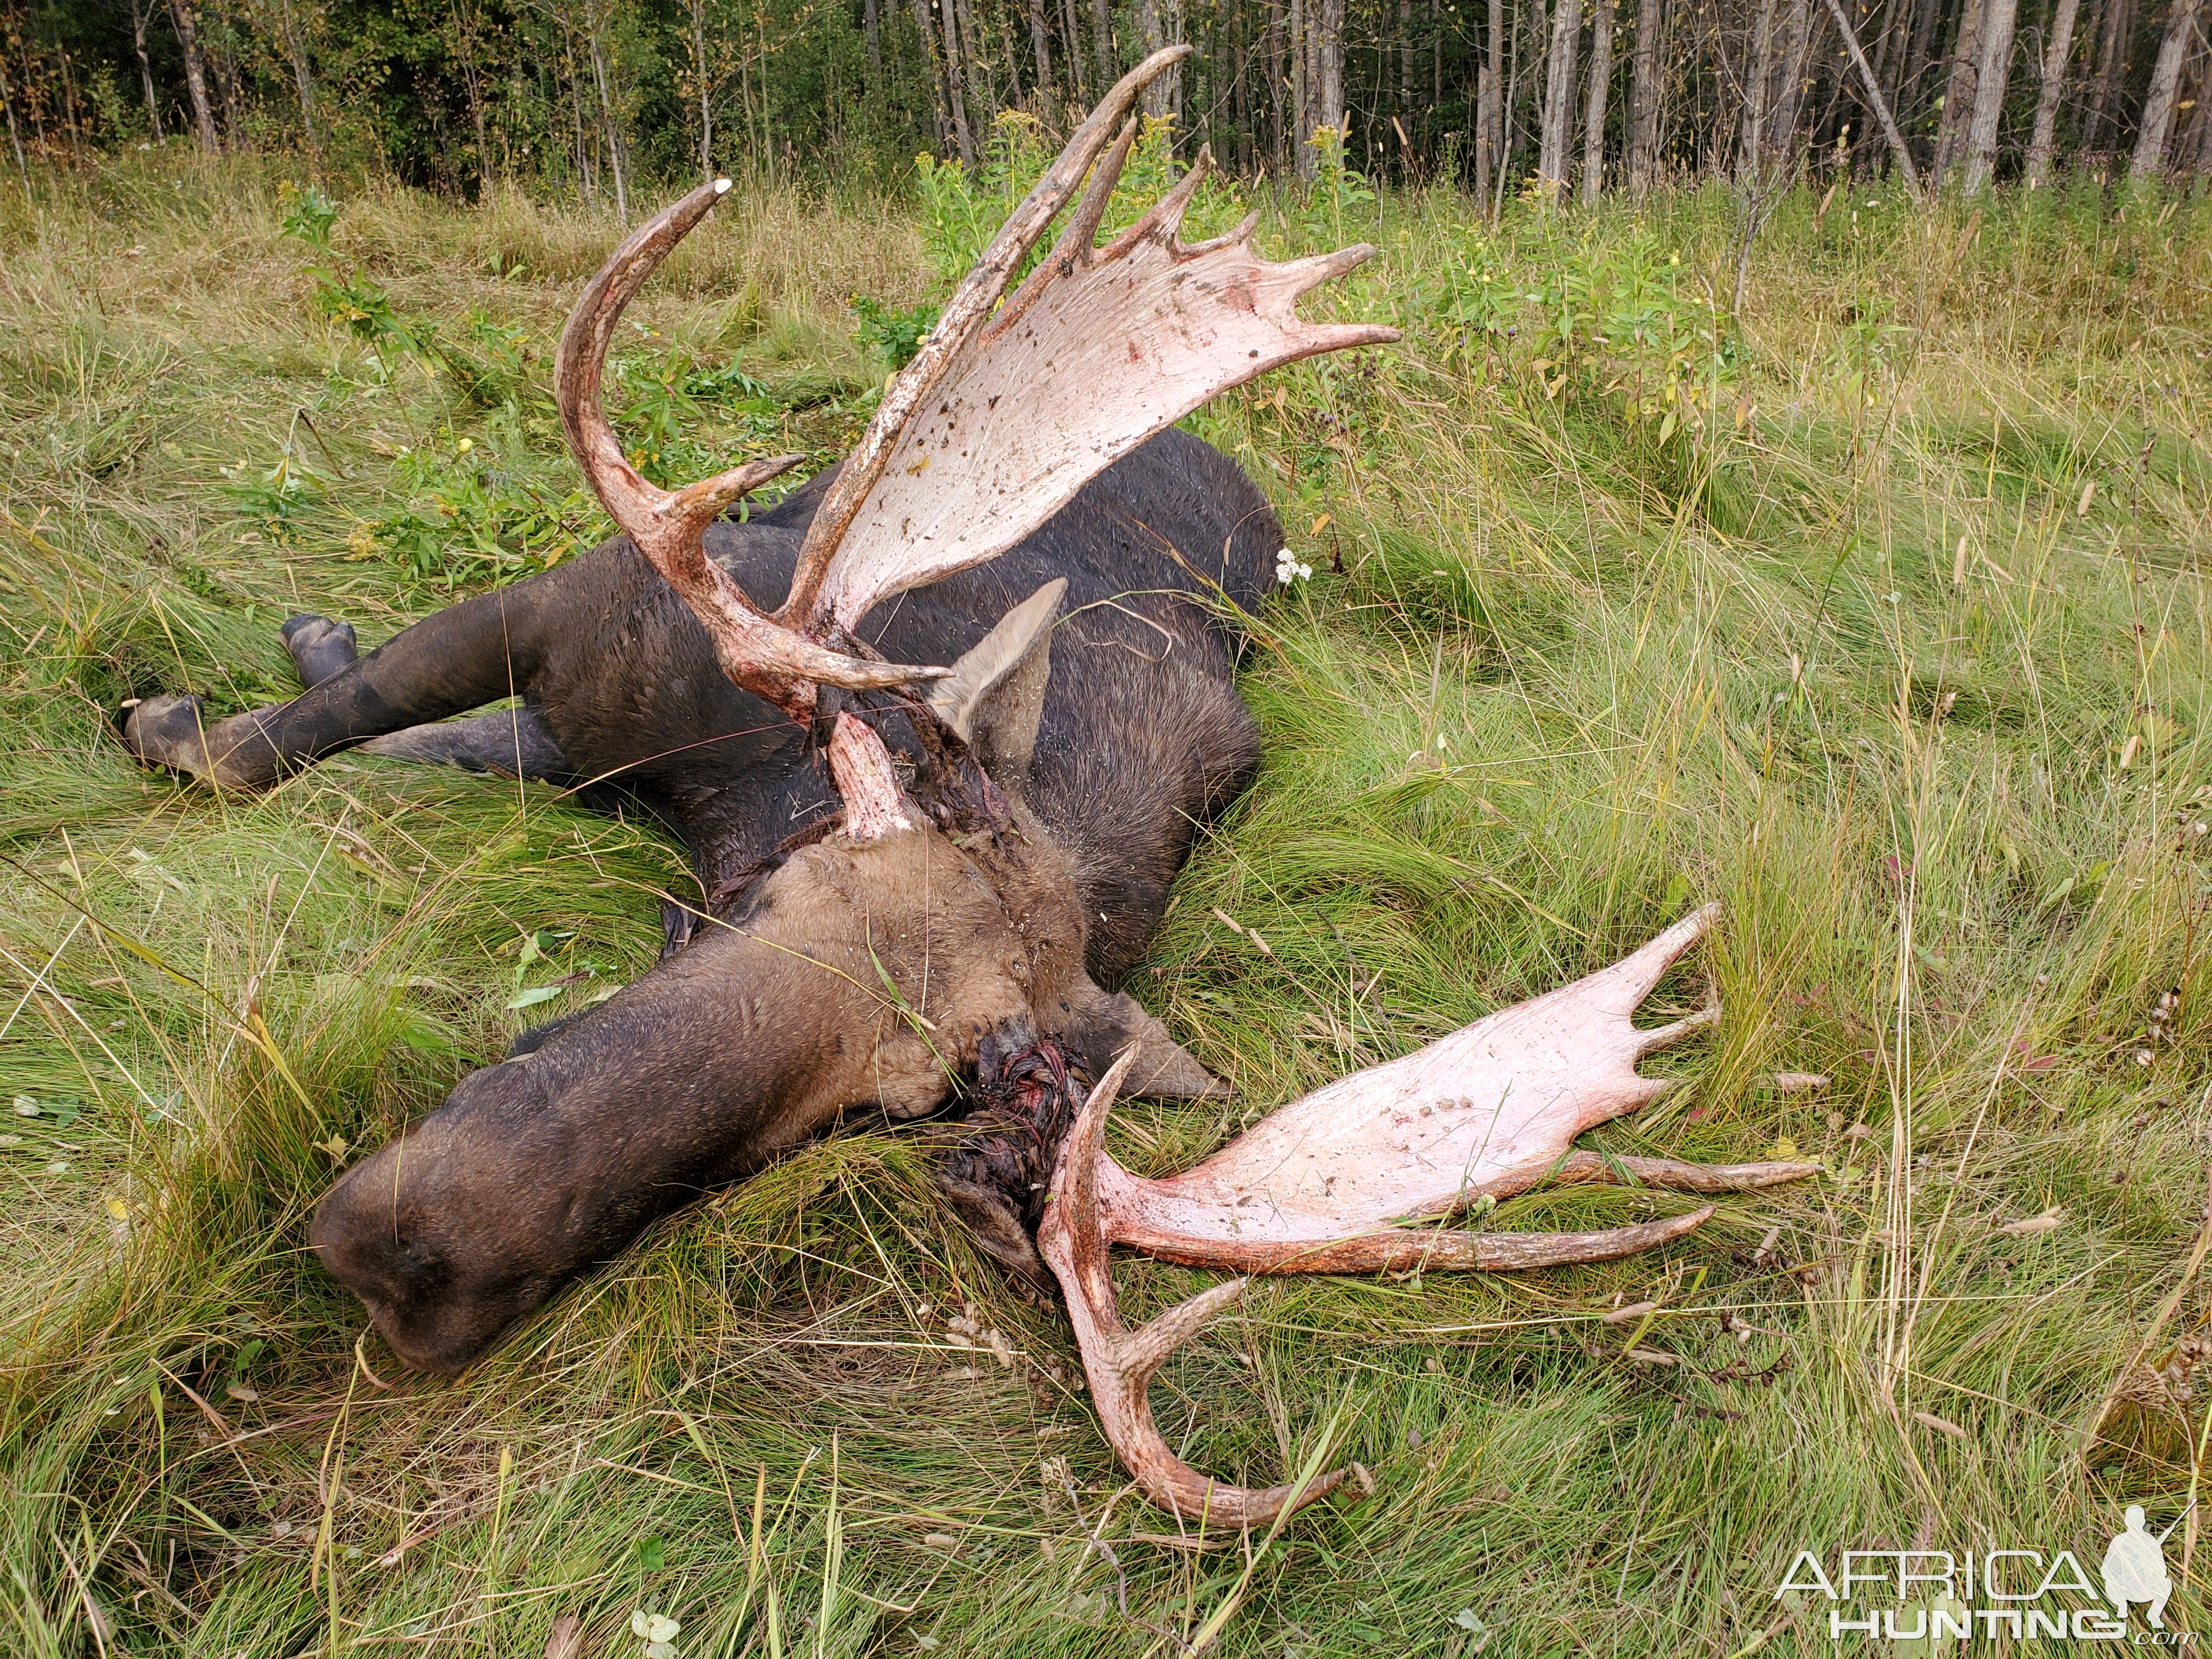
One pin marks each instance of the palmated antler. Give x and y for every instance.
(1000, 419)
(1341, 1181)
(992, 429)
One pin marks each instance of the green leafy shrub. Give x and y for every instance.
(891, 336)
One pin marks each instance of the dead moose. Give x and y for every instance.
(919, 878)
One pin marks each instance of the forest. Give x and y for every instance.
(1558, 97)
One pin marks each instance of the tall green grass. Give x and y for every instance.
(1894, 640)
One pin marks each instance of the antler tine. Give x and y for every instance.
(1079, 234)
(1120, 1362)
(579, 368)
(963, 315)
(669, 527)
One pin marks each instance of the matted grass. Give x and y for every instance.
(1903, 661)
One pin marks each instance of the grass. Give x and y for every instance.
(1893, 639)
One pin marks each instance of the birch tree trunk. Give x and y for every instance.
(955, 78)
(296, 50)
(1600, 80)
(607, 115)
(1154, 35)
(1072, 50)
(1899, 149)
(2119, 22)
(2045, 138)
(1490, 103)
(188, 37)
(1555, 131)
(1329, 53)
(1785, 106)
(1101, 28)
(1040, 43)
(1755, 87)
(1991, 77)
(1643, 95)
(940, 119)
(2157, 126)
(140, 15)
(1959, 91)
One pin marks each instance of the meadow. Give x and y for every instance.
(1850, 578)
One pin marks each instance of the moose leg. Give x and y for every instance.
(463, 657)
(512, 742)
(320, 649)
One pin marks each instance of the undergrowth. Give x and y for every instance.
(1875, 612)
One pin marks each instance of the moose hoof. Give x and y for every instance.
(169, 731)
(320, 647)
(173, 730)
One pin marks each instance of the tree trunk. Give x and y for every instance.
(472, 85)
(1991, 77)
(1241, 91)
(1600, 80)
(1644, 94)
(2119, 23)
(956, 77)
(1102, 27)
(1555, 134)
(1916, 54)
(940, 119)
(1327, 15)
(1897, 147)
(2157, 127)
(188, 37)
(1786, 108)
(1405, 106)
(1071, 29)
(1150, 30)
(1490, 103)
(1041, 44)
(1275, 66)
(296, 50)
(1959, 90)
(2055, 53)
(702, 67)
(1753, 136)
(2190, 149)
(607, 115)
(140, 16)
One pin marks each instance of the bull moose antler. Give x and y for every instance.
(1005, 413)
(1002, 417)
(1342, 1179)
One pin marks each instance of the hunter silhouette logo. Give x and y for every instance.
(2134, 1569)
(1941, 1597)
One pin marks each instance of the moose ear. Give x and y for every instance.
(1101, 1023)
(995, 695)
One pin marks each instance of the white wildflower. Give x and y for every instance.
(657, 1630)
(1288, 570)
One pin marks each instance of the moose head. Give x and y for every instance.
(932, 930)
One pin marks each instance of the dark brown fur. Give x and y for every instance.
(835, 976)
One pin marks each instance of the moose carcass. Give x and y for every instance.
(937, 921)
